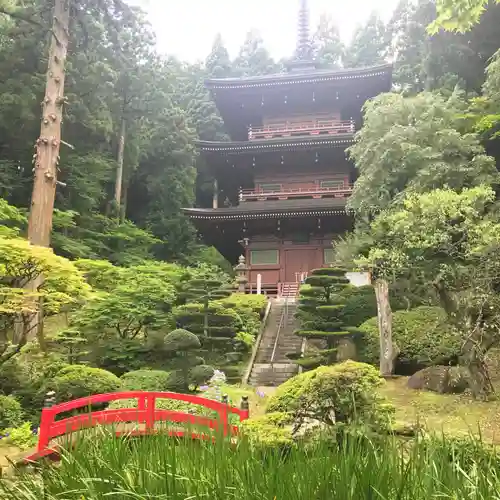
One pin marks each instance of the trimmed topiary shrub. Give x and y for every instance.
(78, 381)
(11, 414)
(200, 375)
(343, 393)
(423, 337)
(321, 312)
(146, 380)
(185, 347)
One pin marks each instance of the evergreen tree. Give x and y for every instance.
(369, 45)
(329, 49)
(320, 311)
(218, 63)
(254, 58)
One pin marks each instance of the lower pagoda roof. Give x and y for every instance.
(271, 209)
(277, 144)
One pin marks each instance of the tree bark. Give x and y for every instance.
(48, 146)
(119, 168)
(384, 315)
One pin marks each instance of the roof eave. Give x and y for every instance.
(291, 78)
(339, 141)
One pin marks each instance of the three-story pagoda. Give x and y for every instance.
(282, 183)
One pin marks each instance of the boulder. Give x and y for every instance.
(441, 379)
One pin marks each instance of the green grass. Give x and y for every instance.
(158, 467)
(451, 414)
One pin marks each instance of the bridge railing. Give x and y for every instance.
(146, 413)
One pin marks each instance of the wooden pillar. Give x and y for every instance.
(215, 202)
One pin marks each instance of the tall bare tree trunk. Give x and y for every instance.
(49, 142)
(384, 315)
(119, 168)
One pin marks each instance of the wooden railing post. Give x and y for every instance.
(150, 412)
(224, 413)
(46, 420)
(245, 408)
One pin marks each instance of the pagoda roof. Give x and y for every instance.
(277, 144)
(271, 209)
(313, 76)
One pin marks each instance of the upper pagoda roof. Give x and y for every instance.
(301, 77)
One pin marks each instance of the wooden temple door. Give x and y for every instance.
(297, 262)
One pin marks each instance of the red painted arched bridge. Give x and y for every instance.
(144, 413)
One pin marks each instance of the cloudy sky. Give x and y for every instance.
(186, 28)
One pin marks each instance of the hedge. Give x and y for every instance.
(146, 380)
(78, 381)
(422, 335)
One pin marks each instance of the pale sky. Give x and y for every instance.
(187, 28)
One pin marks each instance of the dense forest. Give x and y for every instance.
(133, 114)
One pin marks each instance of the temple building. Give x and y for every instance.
(282, 182)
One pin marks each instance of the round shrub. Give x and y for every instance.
(181, 340)
(423, 337)
(200, 375)
(11, 414)
(343, 393)
(146, 380)
(78, 381)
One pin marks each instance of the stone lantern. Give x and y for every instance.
(241, 274)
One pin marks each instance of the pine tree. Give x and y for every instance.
(320, 311)
(218, 63)
(369, 45)
(254, 58)
(329, 49)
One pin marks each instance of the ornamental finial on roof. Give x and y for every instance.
(304, 46)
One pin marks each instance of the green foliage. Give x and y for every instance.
(423, 337)
(329, 49)
(200, 375)
(344, 393)
(20, 436)
(273, 430)
(458, 15)
(181, 341)
(369, 44)
(146, 380)
(78, 381)
(321, 308)
(184, 346)
(140, 299)
(11, 413)
(415, 144)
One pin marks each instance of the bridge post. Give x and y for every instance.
(245, 407)
(46, 420)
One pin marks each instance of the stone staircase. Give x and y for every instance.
(271, 366)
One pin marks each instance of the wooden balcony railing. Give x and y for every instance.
(341, 191)
(312, 127)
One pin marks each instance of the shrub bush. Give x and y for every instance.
(200, 375)
(146, 380)
(22, 437)
(78, 381)
(360, 305)
(422, 335)
(343, 393)
(238, 301)
(11, 413)
(272, 430)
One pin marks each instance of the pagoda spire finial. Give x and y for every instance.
(304, 47)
